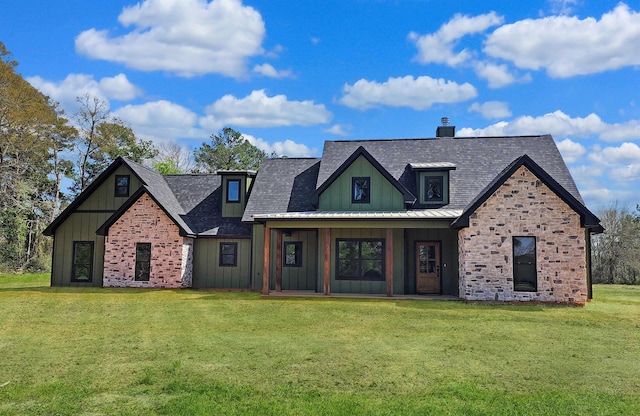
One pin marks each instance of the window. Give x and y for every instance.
(524, 264)
(228, 254)
(360, 259)
(143, 262)
(292, 253)
(82, 268)
(360, 190)
(122, 185)
(233, 190)
(434, 188)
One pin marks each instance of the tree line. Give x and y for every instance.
(43, 150)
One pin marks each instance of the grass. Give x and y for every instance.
(127, 351)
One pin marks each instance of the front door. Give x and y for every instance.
(428, 267)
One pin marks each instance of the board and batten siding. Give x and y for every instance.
(103, 198)
(383, 195)
(296, 278)
(77, 227)
(207, 272)
(234, 209)
(448, 240)
(363, 286)
(82, 224)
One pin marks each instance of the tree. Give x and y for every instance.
(228, 150)
(27, 119)
(172, 159)
(102, 138)
(616, 252)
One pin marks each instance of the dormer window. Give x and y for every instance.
(433, 182)
(233, 190)
(360, 190)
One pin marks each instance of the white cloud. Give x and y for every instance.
(417, 93)
(605, 196)
(571, 151)
(268, 70)
(566, 46)
(622, 131)
(161, 120)
(438, 47)
(626, 153)
(338, 130)
(78, 85)
(627, 173)
(498, 75)
(285, 148)
(557, 124)
(260, 110)
(491, 109)
(186, 37)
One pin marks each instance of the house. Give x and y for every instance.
(483, 219)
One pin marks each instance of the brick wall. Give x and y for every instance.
(171, 254)
(523, 206)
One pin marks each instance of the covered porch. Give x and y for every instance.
(362, 254)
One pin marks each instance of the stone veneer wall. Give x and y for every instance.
(171, 254)
(523, 206)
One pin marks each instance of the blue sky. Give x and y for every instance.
(290, 74)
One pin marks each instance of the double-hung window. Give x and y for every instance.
(228, 254)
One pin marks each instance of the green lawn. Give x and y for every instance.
(127, 351)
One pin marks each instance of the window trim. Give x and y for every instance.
(444, 182)
(227, 191)
(117, 188)
(298, 253)
(73, 262)
(221, 262)
(360, 276)
(517, 280)
(367, 198)
(140, 262)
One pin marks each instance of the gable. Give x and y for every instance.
(338, 195)
(104, 196)
(587, 218)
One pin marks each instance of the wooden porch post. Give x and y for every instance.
(267, 255)
(278, 260)
(389, 261)
(327, 261)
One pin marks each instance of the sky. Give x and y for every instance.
(290, 74)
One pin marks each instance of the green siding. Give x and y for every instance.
(82, 226)
(449, 257)
(103, 198)
(234, 209)
(207, 272)
(78, 227)
(361, 286)
(296, 278)
(383, 195)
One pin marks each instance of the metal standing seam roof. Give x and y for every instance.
(422, 214)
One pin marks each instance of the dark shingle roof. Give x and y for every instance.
(283, 185)
(478, 160)
(200, 197)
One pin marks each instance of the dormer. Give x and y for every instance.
(432, 183)
(235, 190)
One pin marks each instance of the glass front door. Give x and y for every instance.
(428, 267)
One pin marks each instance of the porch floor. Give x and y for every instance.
(313, 294)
